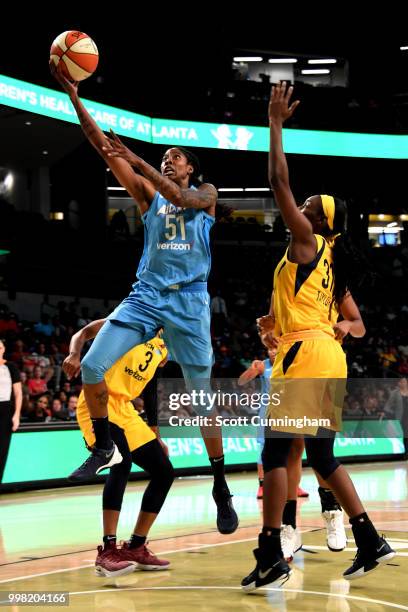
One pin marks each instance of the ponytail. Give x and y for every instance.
(350, 268)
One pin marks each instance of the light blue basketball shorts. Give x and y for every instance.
(184, 314)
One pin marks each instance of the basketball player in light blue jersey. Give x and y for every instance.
(263, 370)
(178, 212)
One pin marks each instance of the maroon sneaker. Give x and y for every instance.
(302, 493)
(109, 562)
(143, 558)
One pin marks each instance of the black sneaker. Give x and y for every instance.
(366, 560)
(99, 460)
(274, 572)
(227, 518)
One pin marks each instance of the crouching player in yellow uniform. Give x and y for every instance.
(136, 442)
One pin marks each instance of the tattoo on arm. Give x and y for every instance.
(162, 184)
(86, 123)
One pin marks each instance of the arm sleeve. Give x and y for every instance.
(150, 401)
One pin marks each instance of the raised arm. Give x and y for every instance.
(72, 364)
(204, 197)
(141, 190)
(278, 173)
(352, 322)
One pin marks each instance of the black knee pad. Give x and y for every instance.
(320, 456)
(275, 453)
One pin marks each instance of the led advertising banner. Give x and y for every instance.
(56, 104)
(55, 454)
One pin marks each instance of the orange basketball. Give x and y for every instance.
(76, 55)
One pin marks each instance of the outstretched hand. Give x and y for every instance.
(71, 87)
(279, 109)
(114, 147)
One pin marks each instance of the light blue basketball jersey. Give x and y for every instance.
(176, 244)
(265, 387)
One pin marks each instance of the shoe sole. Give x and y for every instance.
(336, 549)
(150, 568)
(104, 573)
(360, 574)
(231, 529)
(386, 557)
(278, 582)
(228, 531)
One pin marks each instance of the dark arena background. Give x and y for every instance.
(71, 238)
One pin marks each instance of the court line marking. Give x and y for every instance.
(78, 552)
(165, 552)
(237, 588)
(349, 549)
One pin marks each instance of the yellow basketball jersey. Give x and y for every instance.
(303, 293)
(130, 374)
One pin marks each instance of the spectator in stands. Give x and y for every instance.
(67, 387)
(84, 319)
(72, 316)
(8, 324)
(43, 360)
(37, 385)
(354, 408)
(56, 360)
(18, 354)
(25, 393)
(45, 327)
(58, 412)
(403, 366)
(10, 405)
(388, 360)
(218, 305)
(46, 307)
(59, 328)
(63, 314)
(41, 412)
(72, 406)
(64, 399)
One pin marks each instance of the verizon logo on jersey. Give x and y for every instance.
(133, 373)
(174, 246)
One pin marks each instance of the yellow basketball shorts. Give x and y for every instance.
(308, 384)
(123, 414)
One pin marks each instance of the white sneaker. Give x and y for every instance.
(290, 541)
(336, 533)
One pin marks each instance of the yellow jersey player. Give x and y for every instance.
(313, 275)
(135, 441)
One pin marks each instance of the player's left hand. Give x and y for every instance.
(15, 422)
(114, 147)
(341, 329)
